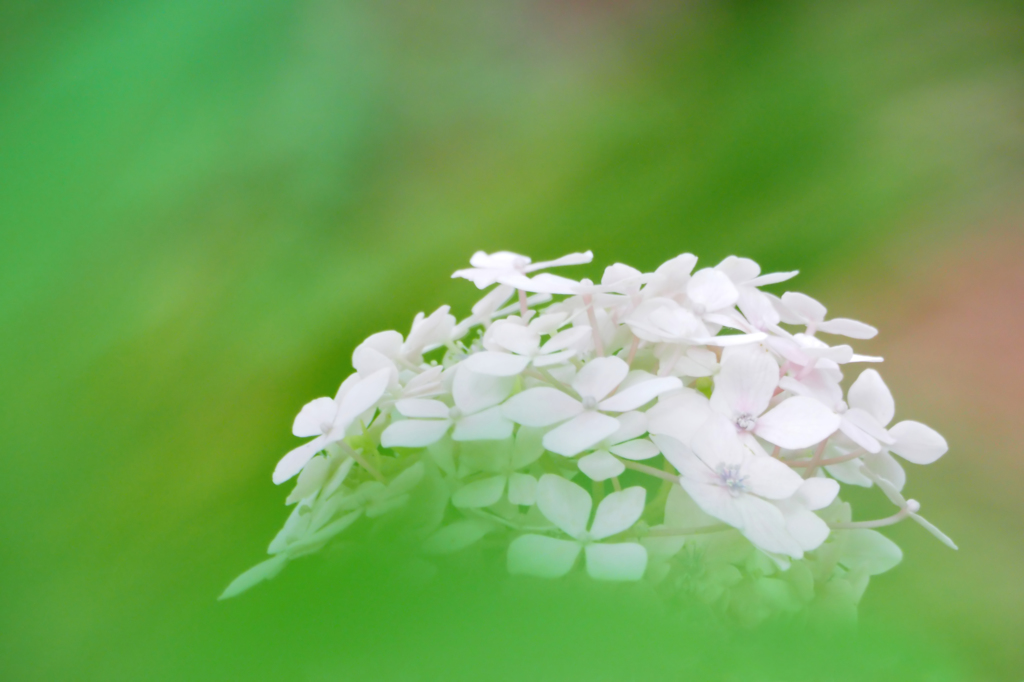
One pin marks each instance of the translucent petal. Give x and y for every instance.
(361, 397)
(600, 465)
(636, 450)
(543, 283)
(711, 290)
(859, 436)
(481, 493)
(514, 337)
(917, 443)
(679, 415)
(631, 425)
(579, 433)
(599, 377)
(456, 536)
(618, 512)
(817, 493)
(869, 393)
(418, 408)
(314, 416)
(682, 512)
(566, 339)
(528, 447)
(542, 556)
(473, 392)
(717, 442)
(522, 489)
(414, 433)
(745, 383)
(681, 457)
(885, 465)
(797, 422)
(868, 550)
(804, 307)
(764, 525)
(640, 394)
(770, 478)
(553, 358)
(807, 528)
(849, 328)
(772, 278)
(293, 462)
(571, 259)
(624, 561)
(564, 504)
(541, 406)
(739, 269)
(496, 364)
(255, 575)
(490, 424)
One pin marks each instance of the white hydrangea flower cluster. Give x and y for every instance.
(665, 425)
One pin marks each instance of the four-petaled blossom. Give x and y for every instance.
(505, 267)
(568, 506)
(512, 347)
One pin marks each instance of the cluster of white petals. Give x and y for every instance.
(682, 427)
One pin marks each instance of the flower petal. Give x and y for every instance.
(313, 416)
(868, 550)
(764, 525)
(481, 493)
(496, 364)
(490, 424)
(745, 383)
(711, 289)
(579, 433)
(419, 408)
(564, 504)
(255, 575)
(624, 561)
(807, 528)
(512, 337)
(456, 536)
(618, 512)
(361, 397)
(541, 406)
(473, 392)
(631, 425)
(566, 339)
(817, 493)
(414, 433)
(636, 450)
(679, 415)
(717, 442)
(522, 489)
(528, 447)
(797, 422)
(542, 556)
(599, 377)
(600, 465)
(570, 259)
(886, 466)
(639, 394)
(869, 393)
(770, 478)
(917, 443)
(849, 328)
(293, 462)
(803, 307)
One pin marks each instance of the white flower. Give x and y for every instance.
(755, 305)
(505, 267)
(662, 320)
(743, 390)
(911, 507)
(734, 485)
(329, 419)
(504, 459)
(568, 506)
(603, 463)
(585, 421)
(475, 416)
(511, 347)
(798, 308)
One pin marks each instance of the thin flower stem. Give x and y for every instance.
(815, 462)
(616, 485)
(877, 523)
(671, 532)
(650, 471)
(632, 350)
(592, 318)
(361, 461)
(524, 305)
(827, 462)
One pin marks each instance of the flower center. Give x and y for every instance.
(589, 402)
(729, 477)
(745, 422)
(454, 413)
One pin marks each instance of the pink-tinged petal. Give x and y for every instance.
(806, 309)
(770, 478)
(745, 383)
(917, 443)
(579, 433)
(679, 415)
(564, 504)
(542, 556)
(255, 575)
(600, 465)
(599, 377)
(513, 337)
(885, 465)
(636, 450)
(868, 551)
(807, 528)
(481, 493)
(869, 393)
(496, 364)
(682, 458)
(711, 290)
(566, 339)
(414, 433)
(848, 328)
(631, 425)
(292, 463)
(361, 397)
(640, 394)
(859, 436)
(490, 424)
(717, 443)
(797, 422)
(522, 489)
(473, 392)
(571, 259)
(765, 526)
(817, 493)
(315, 418)
(541, 406)
(933, 529)
(418, 408)
(867, 423)
(618, 512)
(625, 561)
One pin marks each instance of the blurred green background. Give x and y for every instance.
(205, 206)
